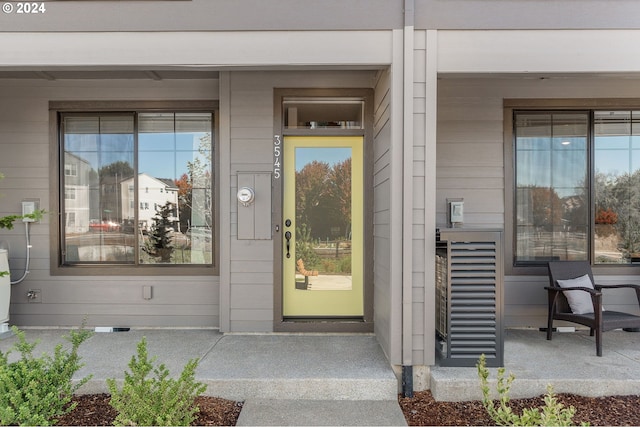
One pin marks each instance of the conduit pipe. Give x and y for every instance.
(28, 255)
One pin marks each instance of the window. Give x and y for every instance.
(116, 158)
(71, 169)
(577, 186)
(70, 193)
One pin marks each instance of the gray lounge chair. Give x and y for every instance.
(598, 321)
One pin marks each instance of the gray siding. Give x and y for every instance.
(117, 300)
(471, 165)
(533, 14)
(251, 143)
(208, 15)
(388, 197)
(251, 280)
(383, 299)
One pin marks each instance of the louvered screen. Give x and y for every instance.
(475, 280)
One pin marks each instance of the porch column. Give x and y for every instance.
(407, 201)
(224, 148)
(430, 132)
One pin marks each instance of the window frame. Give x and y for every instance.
(510, 106)
(56, 110)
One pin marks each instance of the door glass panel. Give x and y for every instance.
(323, 218)
(322, 248)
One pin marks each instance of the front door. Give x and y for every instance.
(323, 227)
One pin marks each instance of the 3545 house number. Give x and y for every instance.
(277, 156)
(24, 7)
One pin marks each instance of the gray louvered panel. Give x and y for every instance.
(474, 297)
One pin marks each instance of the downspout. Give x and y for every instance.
(407, 203)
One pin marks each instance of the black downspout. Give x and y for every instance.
(407, 381)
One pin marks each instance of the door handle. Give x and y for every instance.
(287, 236)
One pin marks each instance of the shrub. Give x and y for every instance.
(553, 413)
(345, 264)
(159, 401)
(606, 216)
(35, 391)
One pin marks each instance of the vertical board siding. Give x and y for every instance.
(471, 165)
(24, 142)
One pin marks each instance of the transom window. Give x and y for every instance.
(577, 186)
(142, 186)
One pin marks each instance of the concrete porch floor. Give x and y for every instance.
(568, 362)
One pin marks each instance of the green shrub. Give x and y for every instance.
(35, 391)
(553, 412)
(159, 401)
(345, 264)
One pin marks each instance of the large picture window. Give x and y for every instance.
(142, 186)
(577, 189)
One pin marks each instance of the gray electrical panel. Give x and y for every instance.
(254, 217)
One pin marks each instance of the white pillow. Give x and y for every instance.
(579, 301)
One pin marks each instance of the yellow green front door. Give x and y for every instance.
(323, 227)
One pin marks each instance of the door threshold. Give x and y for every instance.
(323, 319)
(323, 324)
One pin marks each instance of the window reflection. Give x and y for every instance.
(617, 180)
(156, 211)
(551, 189)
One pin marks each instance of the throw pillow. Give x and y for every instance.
(579, 301)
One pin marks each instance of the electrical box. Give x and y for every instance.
(455, 211)
(254, 205)
(29, 207)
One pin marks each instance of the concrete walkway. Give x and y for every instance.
(568, 362)
(284, 379)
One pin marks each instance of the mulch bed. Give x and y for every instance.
(421, 410)
(94, 410)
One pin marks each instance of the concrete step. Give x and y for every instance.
(241, 367)
(318, 367)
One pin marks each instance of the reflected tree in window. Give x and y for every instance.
(160, 245)
(121, 170)
(323, 214)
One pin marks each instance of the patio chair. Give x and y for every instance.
(573, 297)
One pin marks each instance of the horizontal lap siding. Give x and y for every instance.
(471, 165)
(382, 212)
(251, 290)
(116, 300)
(251, 126)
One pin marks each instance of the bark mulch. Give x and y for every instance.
(421, 410)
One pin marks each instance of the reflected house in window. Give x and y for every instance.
(78, 172)
(152, 194)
